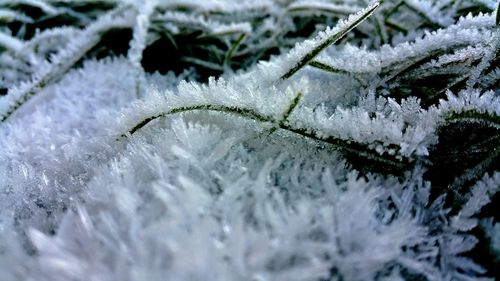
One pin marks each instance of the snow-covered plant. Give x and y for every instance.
(249, 140)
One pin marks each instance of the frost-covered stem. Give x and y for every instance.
(76, 49)
(139, 37)
(232, 50)
(295, 102)
(243, 112)
(455, 82)
(400, 68)
(341, 144)
(394, 9)
(422, 14)
(381, 29)
(320, 8)
(42, 5)
(498, 14)
(355, 148)
(50, 34)
(473, 116)
(398, 162)
(490, 51)
(395, 26)
(342, 30)
(203, 63)
(329, 68)
(475, 171)
(456, 5)
(10, 43)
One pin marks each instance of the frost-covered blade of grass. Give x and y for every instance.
(60, 63)
(466, 32)
(304, 52)
(10, 43)
(498, 14)
(234, 95)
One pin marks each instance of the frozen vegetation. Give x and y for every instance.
(258, 140)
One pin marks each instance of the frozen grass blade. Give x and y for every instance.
(232, 50)
(331, 36)
(331, 69)
(243, 112)
(473, 116)
(392, 164)
(62, 62)
(498, 14)
(10, 43)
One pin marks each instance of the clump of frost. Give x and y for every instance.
(236, 221)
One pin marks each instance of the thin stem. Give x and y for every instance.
(323, 9)
(394, 9)
(381, 30)
(87, 39)
(478, 170)
(475, 117)
(295, 102)
(248, 113)
(498, 14)
(343, 145)
(329, 41)
(399, 68)
(423, 15)
(10, 43)
(329, 68)
(230, 53)
(348, 147)
(202, 63)
(396, 26)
